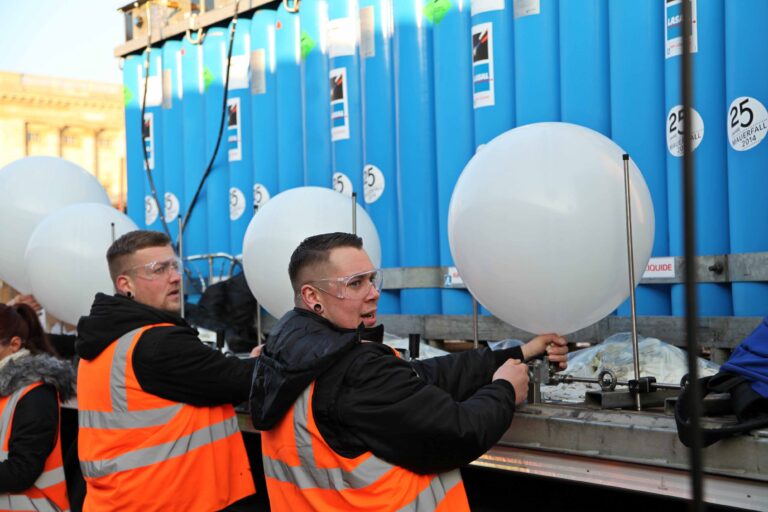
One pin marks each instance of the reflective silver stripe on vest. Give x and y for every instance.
(435, 492)
(308, 476)
(5, 420)
(162, 452)
(22, 502)
(50, 478)
(128, 419)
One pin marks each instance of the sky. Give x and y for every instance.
(62, 38)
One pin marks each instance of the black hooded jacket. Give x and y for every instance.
(169, 361)
(426, 416)
(35, 424)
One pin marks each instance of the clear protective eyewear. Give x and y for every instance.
(157, 269)
(354, 287)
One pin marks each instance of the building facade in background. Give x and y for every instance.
(78, 120)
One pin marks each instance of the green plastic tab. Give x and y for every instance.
(207, 78)
(127, 95)
(307, 44)
(435, 10)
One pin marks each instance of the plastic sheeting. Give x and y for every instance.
(657, 359)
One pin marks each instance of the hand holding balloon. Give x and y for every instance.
(555, 347)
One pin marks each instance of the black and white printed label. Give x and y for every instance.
(483, 93)
(675, 120)
(236, 203)
(234, 131)
(151, 211)
(260, 196)
(526, 8)
(171, 207)
(373, 183)
(481, 6)
(673, 28)
(747, 120)
(367, 32)
(258, 71)
(342, 184)
(148, 134)
(339, 105)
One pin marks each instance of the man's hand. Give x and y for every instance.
(516, 373)
(29, 300)
(553, 345)
(256, 352)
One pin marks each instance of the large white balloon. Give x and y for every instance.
(30, 189)
(537, 227)
(66, 257)
(281, 225)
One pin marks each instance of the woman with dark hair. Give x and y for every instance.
(33, 382)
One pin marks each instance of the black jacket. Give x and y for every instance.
(35, 424)
(426, 416)
(170, 361)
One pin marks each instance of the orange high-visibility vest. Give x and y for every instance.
(303, 473)
(142, 452)
(49, 492)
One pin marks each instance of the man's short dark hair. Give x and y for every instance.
(316, 250)
(122, 248)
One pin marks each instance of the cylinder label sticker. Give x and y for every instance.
(339, 106)
(526, 8)
(236, 203)
(367, 32)
(673, 28)
(258, 72)
(675, 120)
(151, 210)
(482, 65)
(171, 207)
(373, 183)
(234, 133)
(342, 184)
(239, 72)
(148, 133)
(260, 196)
(481, 6)
(747, 120)
(342, 37)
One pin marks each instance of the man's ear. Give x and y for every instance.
(308, 296)
(124, 285)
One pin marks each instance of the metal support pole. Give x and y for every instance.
(354, 213)
(691, 305)
(181, 259)
(631, 264)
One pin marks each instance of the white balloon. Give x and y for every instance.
(66, 257)
(282, 224)
(537, 227)
(30, 189)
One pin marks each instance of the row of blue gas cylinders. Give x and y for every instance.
(391, 98)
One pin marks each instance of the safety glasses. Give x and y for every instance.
(156, 269)
(354, 287)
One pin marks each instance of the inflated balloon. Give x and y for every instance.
(537, 227)
(30, 189)
(282, 224)
(66, 259)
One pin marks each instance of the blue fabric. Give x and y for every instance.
(750, 359)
